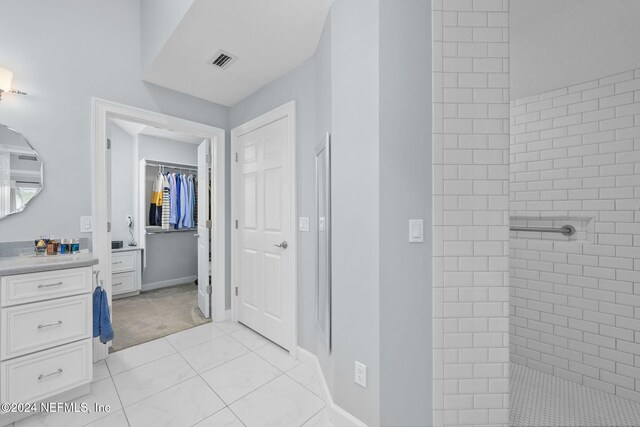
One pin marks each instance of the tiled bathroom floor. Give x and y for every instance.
(217, 374)
(539, 399)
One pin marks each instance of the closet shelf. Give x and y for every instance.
(154, 229)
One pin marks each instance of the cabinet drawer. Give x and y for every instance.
(23, 288)
(47, 373)
(123, 261)
(124, 282)
(32, 327)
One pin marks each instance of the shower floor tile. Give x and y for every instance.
(539, 399)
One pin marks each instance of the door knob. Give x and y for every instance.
(283, 245)
(196, 235)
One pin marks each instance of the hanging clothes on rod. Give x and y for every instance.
(166, 200)
(174, 198)
(195, 200)
(155, 208)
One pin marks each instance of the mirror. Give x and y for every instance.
(323, 239)
(20, 172)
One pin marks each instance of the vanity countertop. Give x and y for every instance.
(10, 266)
(127, 249)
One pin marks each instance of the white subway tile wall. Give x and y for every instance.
(575, 303)
(471, 212)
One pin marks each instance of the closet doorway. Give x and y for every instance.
(161, 251)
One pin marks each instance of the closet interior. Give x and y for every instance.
(160, 216)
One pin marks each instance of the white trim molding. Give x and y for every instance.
(338, 416)
(167, 283)
(287, 110)
(101, 112)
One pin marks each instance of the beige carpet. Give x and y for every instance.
(155, 314)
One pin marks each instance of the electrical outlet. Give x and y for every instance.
(360, 374)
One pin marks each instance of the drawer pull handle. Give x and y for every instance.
(42, 376)
(117, 262)
(49, 285)
(117, 284)
(59, 322)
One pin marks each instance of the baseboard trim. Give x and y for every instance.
(167, 283)
(339, 416)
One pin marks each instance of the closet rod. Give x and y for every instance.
(172, 167)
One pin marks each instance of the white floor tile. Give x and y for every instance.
(222, 418)
(115, 419)
(213, 353)
(281, 402)
(250, 338)
(229, 326)
(102, 392)
(277, 356)
(194, 336)
(100, 371)
(321, 419)
(139, 355)
(240, 377)
(141, 382)
(306, 376)
(184, 404)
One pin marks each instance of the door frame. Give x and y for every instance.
(103, 110)
(288, 111)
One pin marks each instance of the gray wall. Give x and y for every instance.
(124, 180)
(298, 85)
(405, 174)
(355, 204)
(381, 136)
(62, 54)
(169, 256)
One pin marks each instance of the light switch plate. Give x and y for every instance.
(303, 223)
(416, 231)
(86, 225)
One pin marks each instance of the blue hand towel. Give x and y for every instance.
(101, 319)
(96, 311)
(106, 330)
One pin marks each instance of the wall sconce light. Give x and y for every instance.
(6, 77)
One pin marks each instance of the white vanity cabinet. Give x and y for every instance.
(126, 272)
(46, 328)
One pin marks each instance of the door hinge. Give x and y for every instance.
(108, 144)
(209, 289)
(236, 223)
(236, 157)
(236, 291)
(109, 227)
(209, 224)
(208, 159)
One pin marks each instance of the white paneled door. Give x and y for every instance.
(263, 253)
(203, 234)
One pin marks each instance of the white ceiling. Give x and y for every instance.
(558, 43)
(133, 128)
(269, 38)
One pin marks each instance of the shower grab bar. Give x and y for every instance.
(567, 230)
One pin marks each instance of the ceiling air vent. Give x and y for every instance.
(222, 59)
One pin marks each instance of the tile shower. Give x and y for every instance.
(575, 301)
